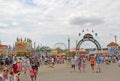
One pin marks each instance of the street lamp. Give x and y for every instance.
(115, 37)
(68, 48)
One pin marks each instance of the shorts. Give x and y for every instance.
(52, 63)
(73, 66)
(83, 67)
(97, 66)
(92, 64)
(31, 76)
(79, 65)
(16, 76)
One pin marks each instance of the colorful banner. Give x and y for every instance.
(91, 51)
(111, 51)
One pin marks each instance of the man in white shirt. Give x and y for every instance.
(73, 61)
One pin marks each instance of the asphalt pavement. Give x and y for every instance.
(63, 72)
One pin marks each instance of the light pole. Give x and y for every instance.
(115, 37)
(68, 48)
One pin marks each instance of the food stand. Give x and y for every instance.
(23, 47)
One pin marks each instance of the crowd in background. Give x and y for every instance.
(14, 66)
(94, 61)
(32, 64)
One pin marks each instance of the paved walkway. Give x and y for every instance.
(62, 72)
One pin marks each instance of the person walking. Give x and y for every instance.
(79, 65)
(92, 62)
(32, 73)
(98, 61)
(73, 61)
(83, 66)
(36, 66)
(53, 62)
(15, 71)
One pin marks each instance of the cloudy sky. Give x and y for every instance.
(48, 22)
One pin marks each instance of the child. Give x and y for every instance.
(83, 66)
(32, 72)
(79, 65)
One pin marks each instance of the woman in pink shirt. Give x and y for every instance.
(32, 73)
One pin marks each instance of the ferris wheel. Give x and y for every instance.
(60, 45)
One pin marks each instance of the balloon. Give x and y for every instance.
(96, 34)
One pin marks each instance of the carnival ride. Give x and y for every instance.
(61, 49)
(23, 47)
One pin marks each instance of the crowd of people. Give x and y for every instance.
(16, 66)
(12, 68)
(31, 64)
(94, 61)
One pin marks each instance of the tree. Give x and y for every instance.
(45, 49)
(59, 50)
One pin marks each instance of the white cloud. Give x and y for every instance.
(48, 21)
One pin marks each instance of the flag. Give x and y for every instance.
(82, 30)
(25, 39)
(21, 39)
(96, 34)
(91, 51)
(93, 31)
(17, 39)
(110, 51)
(87, 29)
(79, 34)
